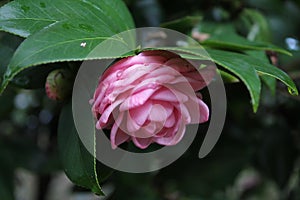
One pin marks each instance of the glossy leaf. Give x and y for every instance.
(244, 70)
(61, 30)
(78, 163)
(268, 80)
(25, 17)
(241, 60)
(224, 36)
(262, 68)
(227, 77)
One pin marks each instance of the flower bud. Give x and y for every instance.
(59, 84)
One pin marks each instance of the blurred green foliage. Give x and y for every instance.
(257, 156)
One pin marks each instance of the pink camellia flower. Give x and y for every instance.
(150, 98)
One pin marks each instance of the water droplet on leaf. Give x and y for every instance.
(83, 44)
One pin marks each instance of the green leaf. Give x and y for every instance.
(268, 80)
(25, 17)
(224, 36)
(227, 77)
(184, 24)
(244, 70)
(78, 163)
(61, 30)
(259, 65)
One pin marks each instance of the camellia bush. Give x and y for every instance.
(149, 94)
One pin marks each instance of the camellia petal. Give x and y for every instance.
(204, 111)
(136, 99)
(141, 113)
(142, 143)
(117, 135)
(169, 95)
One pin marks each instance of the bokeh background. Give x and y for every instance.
(256, 158)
